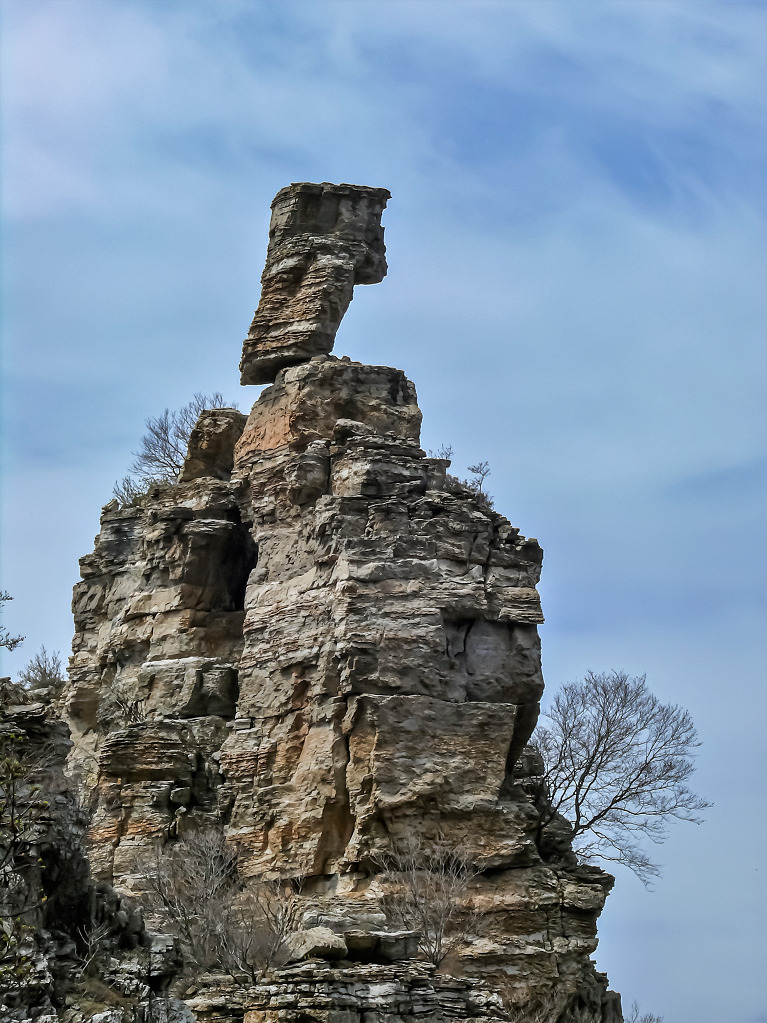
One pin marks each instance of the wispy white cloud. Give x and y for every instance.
(577, 259)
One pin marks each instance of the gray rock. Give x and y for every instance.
(316, 943)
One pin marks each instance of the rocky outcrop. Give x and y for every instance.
(319, 643)
(323, 239)
(318, 992)
(64, 938)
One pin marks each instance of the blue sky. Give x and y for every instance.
(576, 244)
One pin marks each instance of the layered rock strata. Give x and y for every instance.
(59, 926)
(319, 642)
(323, 239)
(354, 993)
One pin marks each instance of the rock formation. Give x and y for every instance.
(323, 239)
(321, 643)
(54, 917)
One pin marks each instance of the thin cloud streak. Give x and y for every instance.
(576, 243)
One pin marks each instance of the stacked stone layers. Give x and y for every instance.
(354, 994)
(323, 239)
(330, 650)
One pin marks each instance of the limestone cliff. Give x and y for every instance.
(322, 644)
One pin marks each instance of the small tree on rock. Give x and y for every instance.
(163, 447)
(43, 671)
(617, 762)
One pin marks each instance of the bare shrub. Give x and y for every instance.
(256, 927)
(128, 491)
(479, 473)
(475, 483)
(195, 884)
(192, 883)
(549, 1013)
(43, 671)
(163, 447)
(617, 761)
(443, 451)
(426, 881)
(119, 704)
(646, 1017)
(24, 818)
(91, 939)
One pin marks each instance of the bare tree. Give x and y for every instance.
(43, 671)
(8, 641)
(443, 451)
(192, 882)
(91, 940)
(23, 811)
(646, 1017)
(427, 881)
(257, 925)
(23, 819)
(163, 447)
(617, 762)
(479, 473)
(475, 483)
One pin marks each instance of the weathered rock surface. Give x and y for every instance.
(316, 992)
(318, 643)
(72, 923)
(323, 239)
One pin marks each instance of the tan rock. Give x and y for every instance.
(211, 444)
(323, 239)
(316, 943)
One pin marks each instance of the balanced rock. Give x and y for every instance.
(323, 239)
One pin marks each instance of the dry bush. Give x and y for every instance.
(43, 671)
(118, 704)
(542, 1014)
(427, 880)
(646, 1017)
(259, 921)
(616, 761)
(195, 885)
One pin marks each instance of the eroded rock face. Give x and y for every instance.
(68, 920)
(331, 650)
(323, 239)
(321, 644)
(356, 993)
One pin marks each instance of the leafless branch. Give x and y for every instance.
(8, 641)
(221, 921)
(164, 446)
(617, 762)
(426, 882)
(646, 1017)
